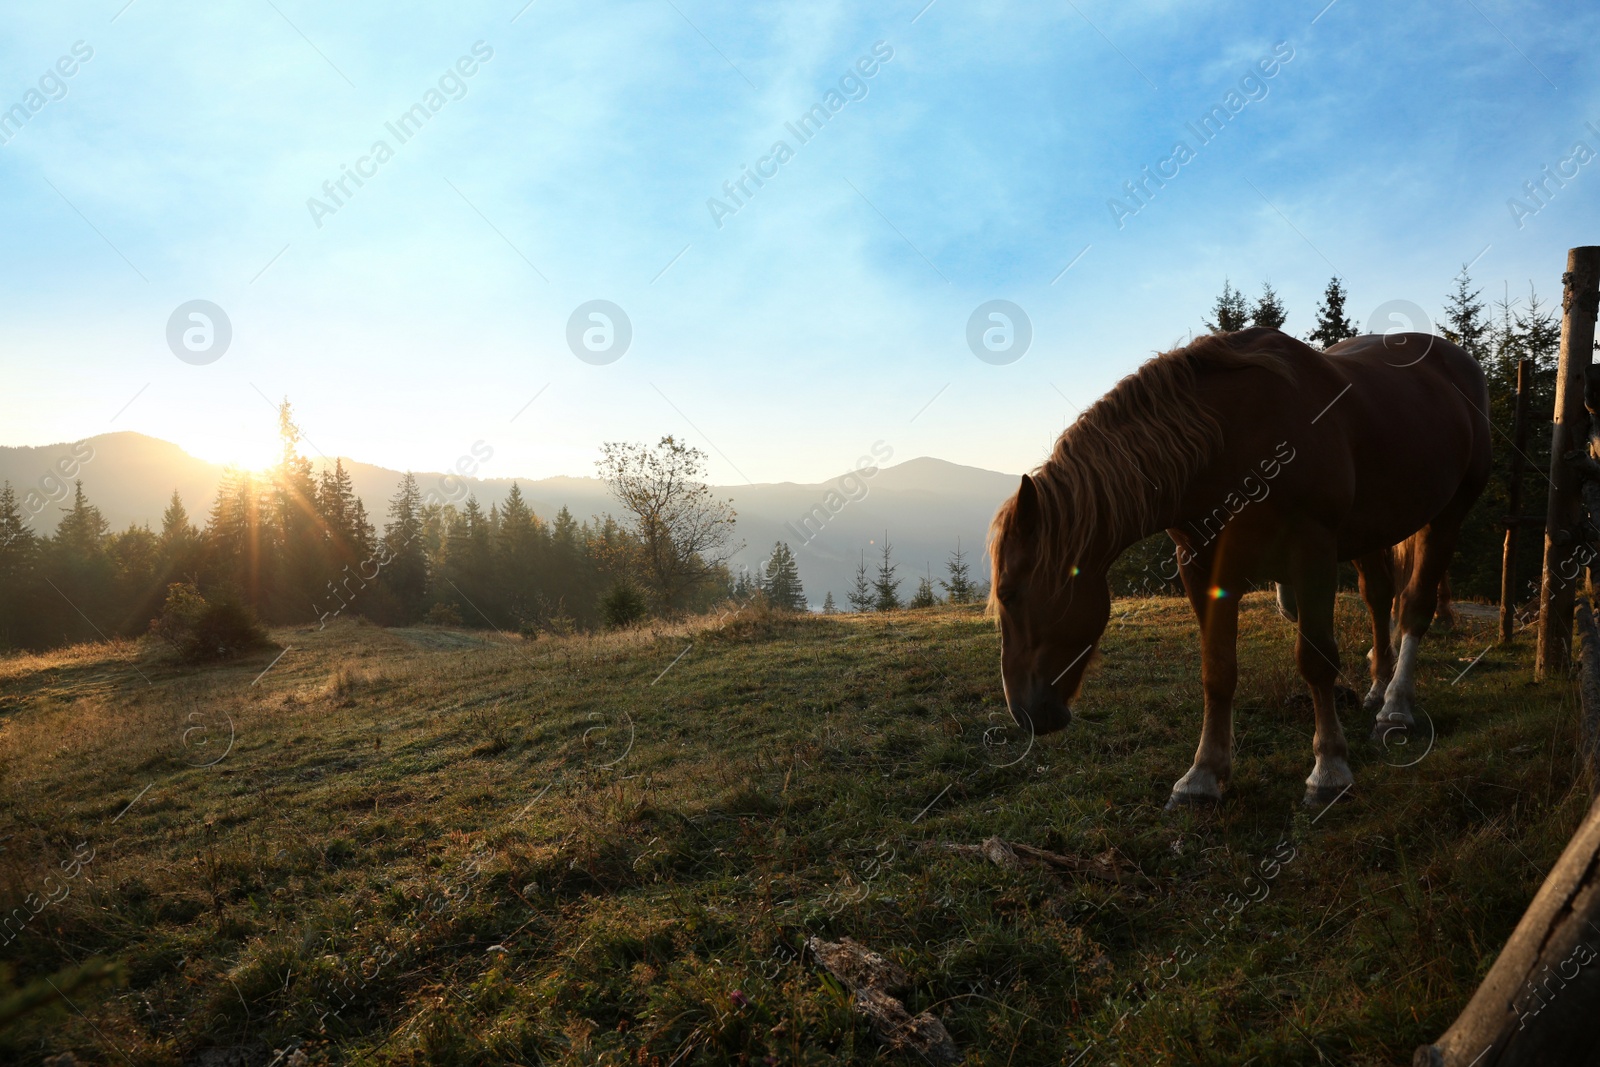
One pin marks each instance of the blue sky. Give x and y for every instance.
(831, 310)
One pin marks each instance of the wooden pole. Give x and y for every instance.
(1508, 564)
(1536, 1005)
(1562, 563)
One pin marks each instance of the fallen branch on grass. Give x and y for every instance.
(1108, 866)
(873, 978)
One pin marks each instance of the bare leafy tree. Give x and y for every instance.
(685, 532)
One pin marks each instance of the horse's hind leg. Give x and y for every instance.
(1377, 589)
(1434, 545)
(1446, 613)
(1317, 654)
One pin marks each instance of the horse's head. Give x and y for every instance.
(1050, 615)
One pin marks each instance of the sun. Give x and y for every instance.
(246, 451)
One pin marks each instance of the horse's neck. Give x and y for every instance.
(1159, 511)
(1108, 544)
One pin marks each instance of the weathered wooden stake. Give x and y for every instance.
(1570, 433)
(1515, 521)
(1536, 1006)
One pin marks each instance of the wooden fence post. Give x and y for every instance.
(1515, 520)
(1536, 1006)
(1569, 434)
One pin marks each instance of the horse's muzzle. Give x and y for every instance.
(1041, 712)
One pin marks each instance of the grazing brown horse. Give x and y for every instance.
(1266, 461)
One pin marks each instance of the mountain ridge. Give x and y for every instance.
(926, 505)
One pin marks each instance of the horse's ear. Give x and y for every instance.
(1027, 504)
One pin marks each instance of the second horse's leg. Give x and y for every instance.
(1435, 544)
(1377, 589)
(1317, 653)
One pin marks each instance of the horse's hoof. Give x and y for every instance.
(1320, 796)
(1192, 801)
(1389, 728)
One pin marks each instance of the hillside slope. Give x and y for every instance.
(449, 847)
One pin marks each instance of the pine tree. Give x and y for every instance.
(178, 535)
(303, 565)
(519, 556)
(48, 588)
(925, 597)
(782, 580)
(137, 589)
(1332, 325)
(83, 529)
(827, 604)
(959, 588)
(567, 565)
(886, 588)
(1269, 309)
(1230, 312)
(860, 595)
(349, 532)
(405, 567)
(17, 543)
(178, 548)
(469, 568)
(1463, 317)
(233, 539)
(1499, 340)
(19, 550)
(1538, 332)
(437, 522)
(80, 569)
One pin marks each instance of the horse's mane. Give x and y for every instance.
(1122, 465)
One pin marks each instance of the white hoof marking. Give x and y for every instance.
(1397, 699)
(1198, 784)
(1330, 773)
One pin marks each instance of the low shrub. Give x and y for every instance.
(623, 605)
(200, 629)
(442, 614)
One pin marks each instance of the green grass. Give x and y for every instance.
(431, 846)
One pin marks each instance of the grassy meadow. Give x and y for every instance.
(447, 846)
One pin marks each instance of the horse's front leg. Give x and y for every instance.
(1219, 675)
(1317, 654)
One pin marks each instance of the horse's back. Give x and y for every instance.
(1410, 361)
(1415, 424)
(1413, 393)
